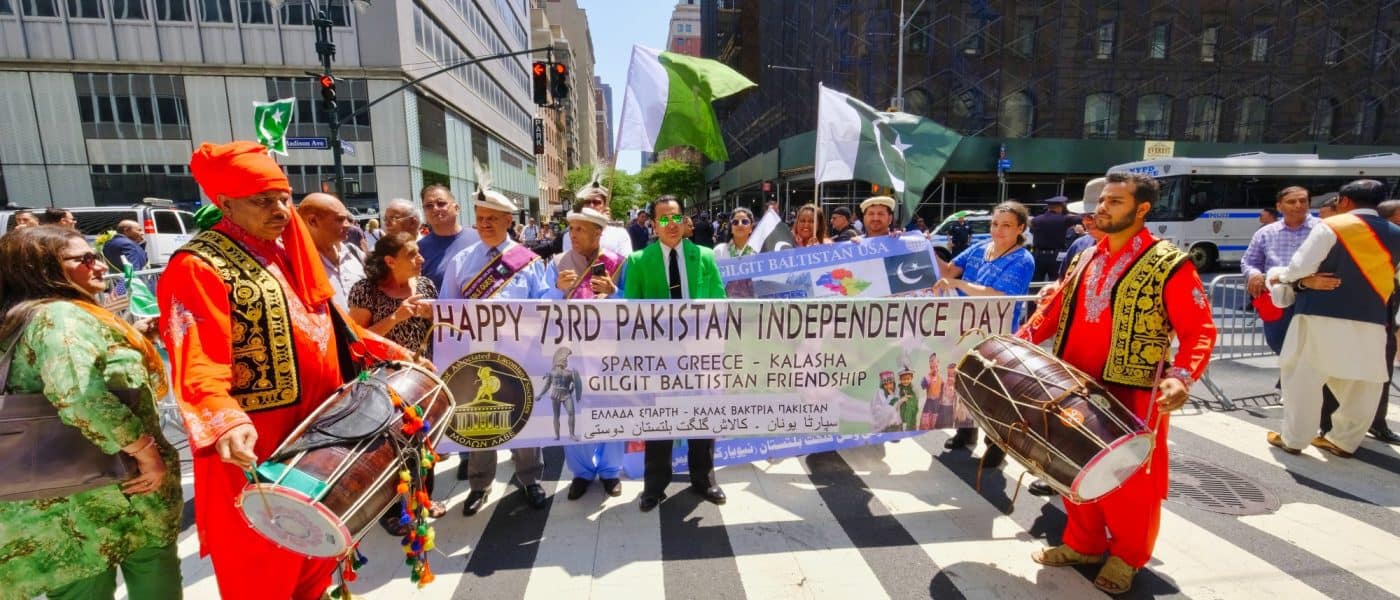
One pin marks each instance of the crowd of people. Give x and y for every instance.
(277, 290)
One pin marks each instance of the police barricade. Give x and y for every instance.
(1239, 331)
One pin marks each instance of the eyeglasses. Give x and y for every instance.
(87, 259)
(670, 220)
(741, 222)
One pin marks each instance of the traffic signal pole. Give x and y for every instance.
(325, 49)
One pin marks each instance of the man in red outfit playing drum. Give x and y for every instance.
(1114, 319)
(247, 319)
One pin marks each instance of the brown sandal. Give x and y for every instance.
(1064, 556)
(1116, 577)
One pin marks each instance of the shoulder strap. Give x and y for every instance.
(1360, 242)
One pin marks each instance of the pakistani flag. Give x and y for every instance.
(270, 121)
(143, 302)
(667, 102)
(895, 149)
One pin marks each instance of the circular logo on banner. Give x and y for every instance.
(494, 397)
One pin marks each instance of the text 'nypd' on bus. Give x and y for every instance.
(1210, 206)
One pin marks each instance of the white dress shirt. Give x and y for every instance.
(347, 270)
(666, 252)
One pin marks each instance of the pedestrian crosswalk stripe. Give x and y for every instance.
(1351, 545)
(770, 565)
(1197, 560)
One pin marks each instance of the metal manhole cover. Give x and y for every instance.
(1195, 482)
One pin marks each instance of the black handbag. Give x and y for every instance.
(43, 457)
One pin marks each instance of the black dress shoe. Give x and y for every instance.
(1384, 434)
(534, 494)
(613, 487)
(712, 493)
(994, 456)
(476, 499)
(650, 502)
(1040, 488)
(578, 487)
(962, 439)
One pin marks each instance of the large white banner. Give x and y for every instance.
(537, 373)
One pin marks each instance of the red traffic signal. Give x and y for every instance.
(327, 90)
(539, 75)
(559, 82)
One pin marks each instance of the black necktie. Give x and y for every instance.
(673, 273)
(493, 254)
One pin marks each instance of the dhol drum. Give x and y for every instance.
(1052, 418)
(331, 479)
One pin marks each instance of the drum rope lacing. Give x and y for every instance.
(989, 365)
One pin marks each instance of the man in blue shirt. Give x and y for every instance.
(126, 244)
(496, 267)
(447, 237)
(1273, 245)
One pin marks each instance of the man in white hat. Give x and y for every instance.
(588, 271)
(595, 196)
(497, 267)
(878, 214)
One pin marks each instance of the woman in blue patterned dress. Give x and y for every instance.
(1000, 266)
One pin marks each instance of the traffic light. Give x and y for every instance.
(539, 73)
(327, 92)
(559, 82)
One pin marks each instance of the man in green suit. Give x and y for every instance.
(676, 269)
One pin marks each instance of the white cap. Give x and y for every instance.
(884, 201)
(493, 200)
(588, 215)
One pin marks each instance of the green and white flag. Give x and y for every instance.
(143, 301)
(270, 121)
(895, 149)
(667, 102)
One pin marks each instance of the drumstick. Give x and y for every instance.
(253, 474)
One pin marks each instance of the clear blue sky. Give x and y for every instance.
(615, 26)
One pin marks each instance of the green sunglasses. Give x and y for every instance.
(669, 219)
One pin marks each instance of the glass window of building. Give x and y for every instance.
(1101, 115)
(919, 35)
(1154, 117)
(1368, 127)
(918, 102)
(1025, 36)
(85, 9)
(1380, 48)
(1103, 50)
(129, 9)
(974, 34)
(39, 8)
(305, 13)
(1254, 115)
(254, 12)
(5, 8)
(1161, 38)
(1324, 116)
(132, 106)
(1259, 46)
(1202, 119)
(172, 10)
(969, 109)
(114, 185)
(215, 11)
(1017, 117)
(1210, 37)
(1332, 54)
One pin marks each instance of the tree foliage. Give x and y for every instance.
(625, 192)
(677, 178)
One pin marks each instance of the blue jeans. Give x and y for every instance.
(595, 461)
(1276, 331)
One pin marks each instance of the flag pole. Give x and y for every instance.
(817, 190)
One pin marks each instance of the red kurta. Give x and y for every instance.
(1131, 514)
(194, 301)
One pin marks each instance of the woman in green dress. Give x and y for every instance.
(72, 350)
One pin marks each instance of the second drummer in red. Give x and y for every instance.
(1114, 318)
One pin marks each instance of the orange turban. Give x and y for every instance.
(236, 170)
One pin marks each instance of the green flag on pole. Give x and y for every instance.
(270, 121)
(667, 102)
(143, 302)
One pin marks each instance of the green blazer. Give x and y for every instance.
(646, 273)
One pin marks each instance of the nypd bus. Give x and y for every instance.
(1210, 206)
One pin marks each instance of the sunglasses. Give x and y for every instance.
(87, 259)
(669, 220)
(741, 222)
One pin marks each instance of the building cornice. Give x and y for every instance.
(198, 69)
